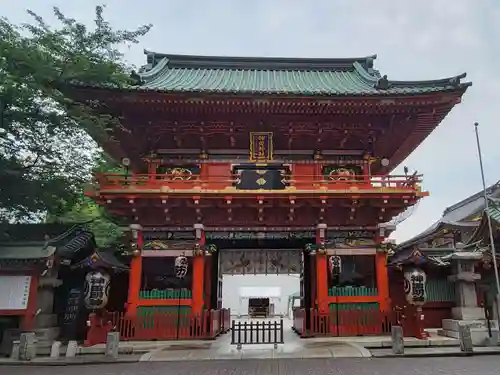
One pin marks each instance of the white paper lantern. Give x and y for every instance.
(96, 294)
(181, 266)
(415, 286)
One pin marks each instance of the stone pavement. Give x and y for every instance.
(486, 365)
(293, 347)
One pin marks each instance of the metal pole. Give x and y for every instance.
(490, 227)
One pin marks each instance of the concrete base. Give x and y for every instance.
(467, 313)
(46, 321)
(478, 329)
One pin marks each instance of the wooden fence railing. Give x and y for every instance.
(343, 322)
(162, 326)
(257, 332)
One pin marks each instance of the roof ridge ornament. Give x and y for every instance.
(382, 83)
(369, 64)
(455, 81)
(135, 78)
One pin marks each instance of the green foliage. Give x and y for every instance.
(84, 210)
(46, 153)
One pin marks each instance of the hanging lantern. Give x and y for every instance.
(415, 283)
(181, 266)
(96, 290)
(335, 265)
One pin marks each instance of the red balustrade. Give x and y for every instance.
(343, 322)
(110, 181)
(162, 326)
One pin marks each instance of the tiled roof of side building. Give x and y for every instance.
(460, 215)
(292, 76)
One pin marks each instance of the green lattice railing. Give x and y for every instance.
(165, 294)
(354, 306)
(440, 290)
(352, 291)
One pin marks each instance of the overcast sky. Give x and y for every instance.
(414, 40)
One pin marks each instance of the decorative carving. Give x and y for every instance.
(382, 83)
(342, 173)
(260, 262)
(179, 173)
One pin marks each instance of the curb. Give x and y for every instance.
(434, 355)
(68, 363)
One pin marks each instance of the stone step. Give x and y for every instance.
(46, 320)
(48, 334)
(43, 348)
(448, 333)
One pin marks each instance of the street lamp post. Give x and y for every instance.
(490, 226)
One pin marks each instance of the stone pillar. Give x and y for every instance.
(467, 312)
(27, 346)
(397, 340)
(48, 282)
(112, 344)
(55, 349)
(465, 279)
(71, 349)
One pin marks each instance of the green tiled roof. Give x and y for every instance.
(26, 251)
(331, 77)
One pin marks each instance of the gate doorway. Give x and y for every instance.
(257, 263)
(254, 278)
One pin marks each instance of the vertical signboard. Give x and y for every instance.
(261, 146)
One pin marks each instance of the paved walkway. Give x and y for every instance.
(487, 365)
(293, 347)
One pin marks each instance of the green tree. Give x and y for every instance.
(46, 153)
(85, 210)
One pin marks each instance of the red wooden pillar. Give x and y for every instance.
(382, 277)
(207, 281)
(321, 271)
(27, 321)
(135, 275)
(197, 303)
(152, 168)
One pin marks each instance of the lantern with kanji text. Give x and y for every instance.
(415, 285)
(96, 294)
